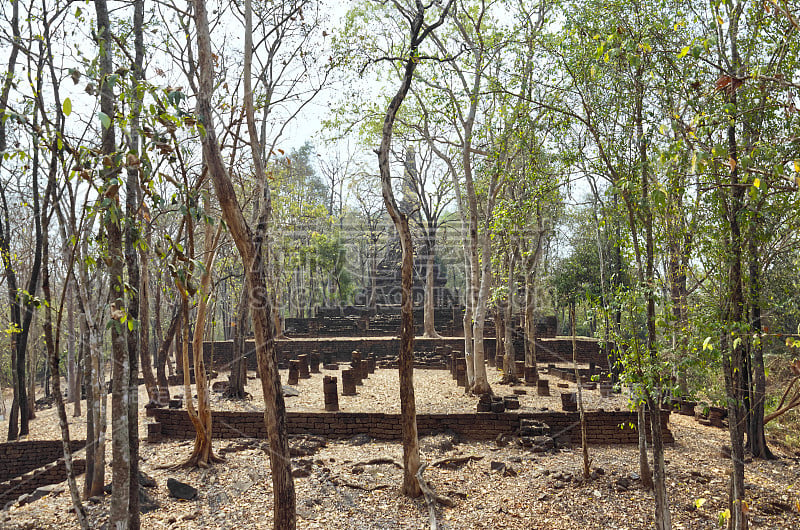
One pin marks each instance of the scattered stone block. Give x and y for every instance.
(569, 401)
(289, 391)
(181, 490)
(543, 387)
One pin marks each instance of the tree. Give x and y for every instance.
(124, 455)
(432, 197)
(418, 31)
(21, 302)
(261, 310)
(202, 453)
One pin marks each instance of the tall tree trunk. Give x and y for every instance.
(644, 461)
(52, 344)
(733, 310)
(481, 384)
(468, 312)
(663, 519)
(94, 380)
(653, 388)
(469, 352)
(73, 357)
(261, 311)
(162, 394)
(509, 359)
(429, 311)
(203, 453)
(91, 437)
(18, 413)
(579, 389)
(756, 440)
(237, 379)
(500, 336)
(530, 326)
(121, 362)
(145, 356)
(408, 413)
(132, 236)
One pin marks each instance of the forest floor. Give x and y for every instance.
(344, 491)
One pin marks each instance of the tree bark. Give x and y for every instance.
(481, 384)
(162, 394)
(733, 310)
(15, 419)
(52, 343)
(429, 324)
(145, 357)
(132, 235)
(584, 441)
(408, 419)
(510, 374)
(644, 462)
(500, 336)
(203, 452)
(756, 440)
(261, 311)
(237, 379)
(121, 362)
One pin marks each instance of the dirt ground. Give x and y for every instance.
(500, 487)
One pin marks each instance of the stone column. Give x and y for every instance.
(461, 371)
(348, 383)
(543, 387)
(329, 393)
(313, 362)
(355, 363)
(531, 375)
(294, 372)
(304, 371)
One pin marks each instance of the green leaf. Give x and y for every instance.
(105, 121)
(67, 107)
(659, 197)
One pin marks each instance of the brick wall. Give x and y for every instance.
(331, 349)
(603, 427)
(342, 322)
(18, 458)
(52, 473)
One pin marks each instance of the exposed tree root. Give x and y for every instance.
(453, 463)
(431, 498)
(338, 481)
(379, 461)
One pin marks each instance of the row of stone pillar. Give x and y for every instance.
(457, 365)
(302, 367)
(527, 373)
(352, 377)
